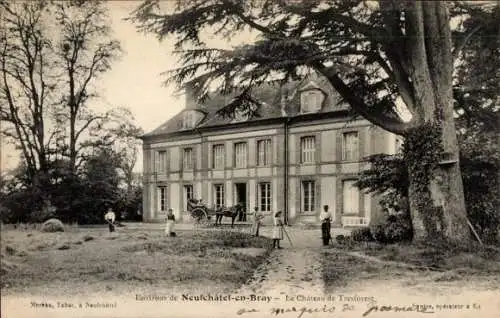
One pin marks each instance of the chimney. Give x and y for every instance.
(190, 96)
(285, 98)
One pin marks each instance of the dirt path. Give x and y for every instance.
(287, 271)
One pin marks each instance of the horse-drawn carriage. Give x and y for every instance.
(200, 212)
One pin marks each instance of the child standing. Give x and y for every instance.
(277, 230)
(169, 229)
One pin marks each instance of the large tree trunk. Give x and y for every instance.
(430, 63)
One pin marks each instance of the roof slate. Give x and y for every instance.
(271, 99)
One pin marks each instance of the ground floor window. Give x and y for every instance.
(350, 197)
(264, 197)
(188, 193)
(308, 196)
(162, 199)
(219, 195)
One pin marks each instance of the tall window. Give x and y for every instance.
(350, 196)
(308, 196)
(240, 155)
(218, 156)
(264, 197)
(308, 149)
(162, 199)
(187, 159)
(350, 147)
(219, 195)
(264, 152)
(161, 161)
(188, 193)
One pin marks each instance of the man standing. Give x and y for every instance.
(326, 219)
(110, 218)
(257, 222)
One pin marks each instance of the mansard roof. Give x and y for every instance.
(270, 97)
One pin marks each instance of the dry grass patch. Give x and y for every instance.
(79, 259)
(416, 264)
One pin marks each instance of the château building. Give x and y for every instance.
(303, 150)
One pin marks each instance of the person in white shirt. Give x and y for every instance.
(169, 229)
(326, 219)
(110, 218)
(257, 222)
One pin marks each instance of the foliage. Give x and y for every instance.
(81, 198)
(360, 47)
(47, 78)
(362, 235)
(422, 152)
(386, 173)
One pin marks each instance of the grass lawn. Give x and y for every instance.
(81, 261)
(420, 265)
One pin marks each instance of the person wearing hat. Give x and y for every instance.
(326, 218)
(277, 230)
(110, 218)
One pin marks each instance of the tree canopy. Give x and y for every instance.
(363, 47)
(380, 56)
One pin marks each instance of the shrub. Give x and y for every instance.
(362, 235)
(396, 229)
(340, 239)
(52, 225)
(378, 233)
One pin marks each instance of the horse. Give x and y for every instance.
(231, 212)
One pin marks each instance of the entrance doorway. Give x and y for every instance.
(240, 190)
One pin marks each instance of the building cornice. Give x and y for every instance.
(341, 114)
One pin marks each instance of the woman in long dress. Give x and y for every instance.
(169, 229)
(277, 230)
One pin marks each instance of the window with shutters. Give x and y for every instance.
(218, 195)
(350, 197)
(308, 149)
(161, 161)
(162, 199)
(187, 159)
(218, 154)
(350, 148)
(240, 155)
(264, 152)
(308, 196)
(188, 193)
(264, 197)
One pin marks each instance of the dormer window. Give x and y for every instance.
(240, 115)
(311, 101)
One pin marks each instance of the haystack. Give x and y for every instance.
(52, 225)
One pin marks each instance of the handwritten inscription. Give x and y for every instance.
(425, 309)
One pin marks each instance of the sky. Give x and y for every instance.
(134, 80)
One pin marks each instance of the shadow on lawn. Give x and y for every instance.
(435, 262)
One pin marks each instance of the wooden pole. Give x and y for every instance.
(474, 231)
(288, 237)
